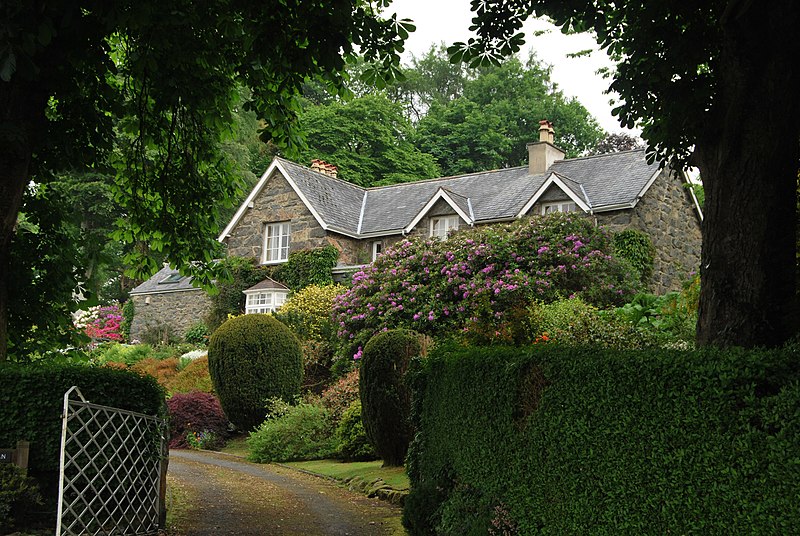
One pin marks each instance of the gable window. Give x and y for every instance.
(441, 226)
(562, 206)
(276, 243)
(377, 249)
(266, 301)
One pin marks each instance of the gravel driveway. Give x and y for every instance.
(219, 495)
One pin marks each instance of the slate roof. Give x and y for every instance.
(268, 284)
(158, 283)
(603, 181)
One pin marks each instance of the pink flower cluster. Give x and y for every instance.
(102, 323)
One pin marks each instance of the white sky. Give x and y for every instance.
(449, 21)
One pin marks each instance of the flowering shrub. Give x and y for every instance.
(308, 311)
(480, 281)
(205, 440)
(338, 397)
(101, 323)
(194, 412)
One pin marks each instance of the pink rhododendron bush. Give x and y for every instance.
(101, 323)
(480, 282)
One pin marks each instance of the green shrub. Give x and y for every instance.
(637, 248)
(229, 300)
(301, 432)
(253, 358)
(128, 312)
(354, 445)
(557, 440)
(197, 334)
(32, 397)
(193, 377)
(385, 398)
(575, 323)
(114, 352)
(18, 493)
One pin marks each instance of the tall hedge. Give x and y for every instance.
(549, 440)
(253, 358)
(385, 396)
(32, 398)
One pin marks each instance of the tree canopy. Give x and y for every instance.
(144, 91)
(714, 82)
(368, 139)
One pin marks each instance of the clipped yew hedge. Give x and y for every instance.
(548, 440)
(253, 358)
(32, 398)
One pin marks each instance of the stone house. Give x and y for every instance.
(294, 207)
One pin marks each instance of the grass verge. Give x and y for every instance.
(392, 476)
(237, 446)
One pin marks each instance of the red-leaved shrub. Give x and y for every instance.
(194, 412)
(341, 394)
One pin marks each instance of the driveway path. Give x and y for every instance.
(222, 495)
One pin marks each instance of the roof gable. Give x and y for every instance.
(460, 204)
(596, 183)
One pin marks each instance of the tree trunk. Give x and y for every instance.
(748, 159)
(13, 178)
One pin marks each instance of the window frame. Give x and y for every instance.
(559, 207)
(264, 301)
(377, 249)
(446, 220)
(284, 231)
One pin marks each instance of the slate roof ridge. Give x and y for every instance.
(451, 177)
(335, 179)
(603, 155)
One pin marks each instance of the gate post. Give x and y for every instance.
(21, 455)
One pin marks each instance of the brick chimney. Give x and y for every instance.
(322, 166)
(543, 153)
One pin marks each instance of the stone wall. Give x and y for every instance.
(667, 214)
(278, 202)
(179, 310)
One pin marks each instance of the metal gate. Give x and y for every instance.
(112, 472)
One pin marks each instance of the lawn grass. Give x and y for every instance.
(237, 446)
(393, 476)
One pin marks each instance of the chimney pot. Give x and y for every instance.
(543, 153)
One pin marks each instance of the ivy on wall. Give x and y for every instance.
(308, 267)
(636, 248)
(304, 268)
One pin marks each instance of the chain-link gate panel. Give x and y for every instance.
(112, 468)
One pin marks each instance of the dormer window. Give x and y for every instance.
(561, 206)
(276, 243)
(441, 226)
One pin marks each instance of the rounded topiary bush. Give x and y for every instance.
(251, 359)
(385, 397)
